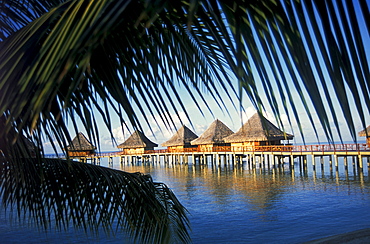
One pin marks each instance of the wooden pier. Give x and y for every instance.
(262, 156)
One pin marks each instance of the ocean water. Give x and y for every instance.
(239, 204)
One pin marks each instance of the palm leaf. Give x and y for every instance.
(69, 61)
(61, 193)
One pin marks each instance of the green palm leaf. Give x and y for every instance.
(71, 61)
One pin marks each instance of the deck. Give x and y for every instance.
(253, 154)
(296, 150)
(263, 157)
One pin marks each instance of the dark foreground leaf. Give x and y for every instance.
(61, 193)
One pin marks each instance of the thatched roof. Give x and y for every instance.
(137, 140)
(80, 143)
(182, 137)
(365, 132)
(27, 142)
(214, 134)
(258, 129)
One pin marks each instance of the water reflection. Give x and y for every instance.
(259, 189)
(267, 204)
(237, 203)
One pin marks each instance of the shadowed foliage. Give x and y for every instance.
(63, 64)
(90, 197)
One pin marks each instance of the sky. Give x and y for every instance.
(234, 120)
(234, 117)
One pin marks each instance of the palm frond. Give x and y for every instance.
(65, 193)
(71, 61)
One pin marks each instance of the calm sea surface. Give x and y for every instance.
(236, 204)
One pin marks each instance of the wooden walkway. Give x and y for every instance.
(353, 149)
(262, 155)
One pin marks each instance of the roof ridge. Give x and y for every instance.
(213, 134)
(80, 143)
(137, 139)
(182, 137)
(258, 128)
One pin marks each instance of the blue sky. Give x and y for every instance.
(234, 120)
(234, 117)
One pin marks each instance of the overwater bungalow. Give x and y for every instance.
(213, 137)
(137, 143)
(80, 146)
(366, 133)
(27, 144)
(181, 140)
(257, 131)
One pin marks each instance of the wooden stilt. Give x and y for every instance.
(345, 160)
(313, 162)
(354, 164)
(359, 163)
(291, 161)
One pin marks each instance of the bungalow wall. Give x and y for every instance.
(80, 153)
(205, 148)
(248, 145)
(180, 148)
(214, 147)
(133, 151)
(240, 145)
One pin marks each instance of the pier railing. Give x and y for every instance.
(305, 148)
(332, 148)
(269, 148)
(248, 149)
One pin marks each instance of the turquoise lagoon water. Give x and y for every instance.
(237, 204)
